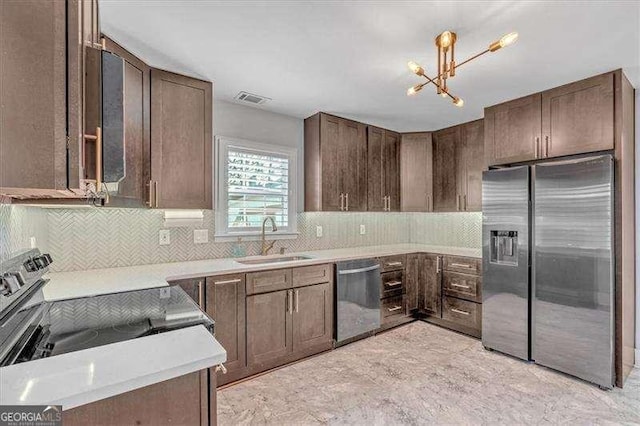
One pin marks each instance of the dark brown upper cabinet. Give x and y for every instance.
(335, 151)
(383, 169)
(132, 189)
(513, 131)
(471, 164)
(578, 117)
(446, 195)
(181, 141)
(416, 172)
(42, 47)
(457, 167)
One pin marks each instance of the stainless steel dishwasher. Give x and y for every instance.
(358, 285)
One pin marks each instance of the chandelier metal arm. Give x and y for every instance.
(472, 58)
(435, 83)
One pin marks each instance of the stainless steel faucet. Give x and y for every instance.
(268, 246)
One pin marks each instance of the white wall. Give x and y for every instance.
(637, 166)
(254, 124)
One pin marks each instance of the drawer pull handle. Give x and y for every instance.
(221, 367)
(393, 283)
(236, 280)
(395, 308)
(394, 264)
(458, 311)
(459, 285)
(462, 265)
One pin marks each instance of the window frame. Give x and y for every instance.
(222, 231)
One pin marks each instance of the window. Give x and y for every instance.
(254, 181)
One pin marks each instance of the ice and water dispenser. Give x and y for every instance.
(504, 247)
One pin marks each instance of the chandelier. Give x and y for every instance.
(447, 66)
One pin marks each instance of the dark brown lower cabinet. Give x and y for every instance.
(430, 288)
(269, 322)
(312, 316)
(412, 282)
(288, 324)
(180, 401)
(225, 303)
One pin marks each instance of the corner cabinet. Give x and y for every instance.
(576, 118)
(383, 170)
(335, 151)
(181, 141)
(416, 172)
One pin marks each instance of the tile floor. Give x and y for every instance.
(423, 374)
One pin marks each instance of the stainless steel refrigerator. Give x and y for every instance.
(548, 265)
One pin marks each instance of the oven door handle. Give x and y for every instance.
(357, 271)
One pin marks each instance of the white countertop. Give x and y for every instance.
(66, 285)
(81, 377)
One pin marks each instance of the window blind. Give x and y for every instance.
(257, 187)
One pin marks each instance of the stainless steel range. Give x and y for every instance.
(32, 328)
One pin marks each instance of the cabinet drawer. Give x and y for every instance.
(265, 281)
(316, 274)
(464, 286)
(462, 312)
(466, 265)
(392, 284)
(392, 308)
(392, 263)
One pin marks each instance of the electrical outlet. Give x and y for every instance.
(33, 243)
(200, 236)
(363, 230)
(318, 231)
(164, 237)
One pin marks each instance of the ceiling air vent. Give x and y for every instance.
(251, 98)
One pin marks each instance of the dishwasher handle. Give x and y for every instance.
(358, 270)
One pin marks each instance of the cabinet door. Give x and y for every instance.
(391, 167)
(312, 316)
(446, 170)
(33, 145)
(331, 167)
(269, 323)
(578, 117)
(416, 172)
(225, 297)
(412, 282)
(353, 164)
(176, 401)
(181, 115)
(430, 288)
(512, 131)
(473, 160)
(375, 173)
(132, 191)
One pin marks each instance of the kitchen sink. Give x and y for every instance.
(265, 260)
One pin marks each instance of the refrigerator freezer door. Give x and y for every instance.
(505, 257)
(573, 269)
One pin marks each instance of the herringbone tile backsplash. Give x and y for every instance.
(81, 239)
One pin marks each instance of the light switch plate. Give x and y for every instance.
(164, 237)
(200, 236)
(363, 230)
(318, 231)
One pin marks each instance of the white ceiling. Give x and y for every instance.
(349, 58)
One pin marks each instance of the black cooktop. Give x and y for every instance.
(60, 327)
